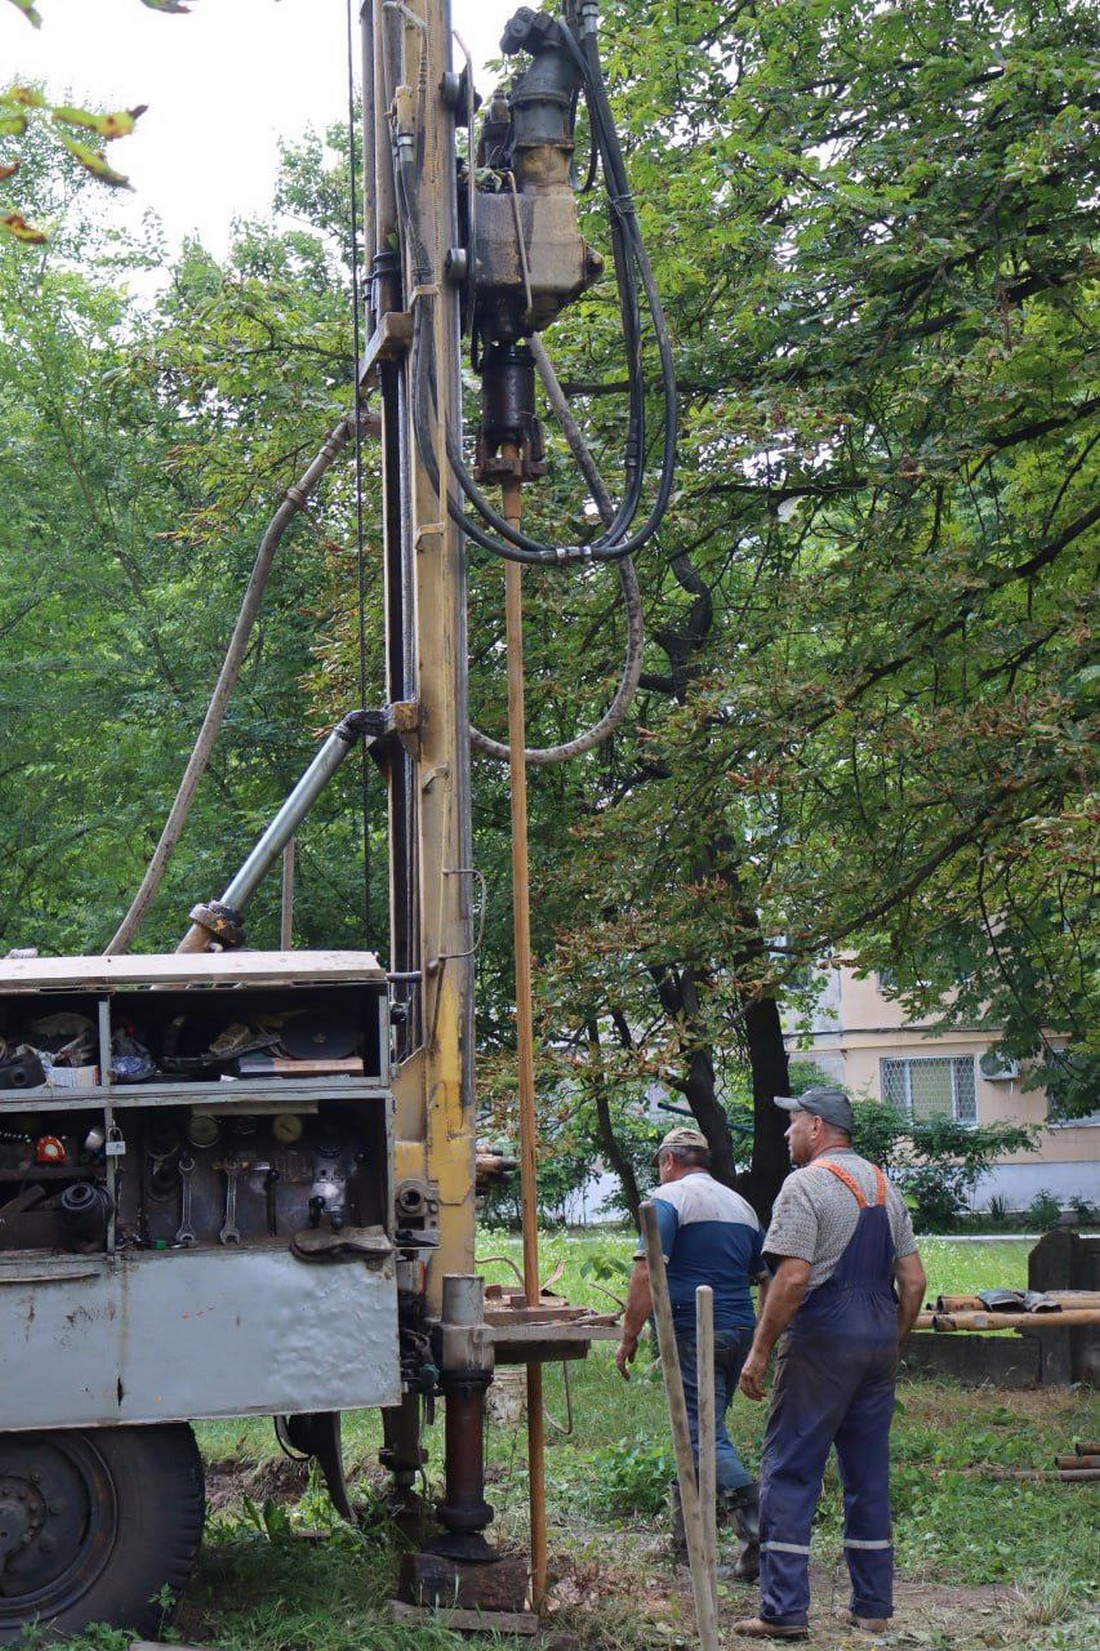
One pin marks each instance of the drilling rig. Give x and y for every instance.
(237, 1182)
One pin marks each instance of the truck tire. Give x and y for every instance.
(97, 1525)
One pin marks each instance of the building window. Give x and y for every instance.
(933, 1086)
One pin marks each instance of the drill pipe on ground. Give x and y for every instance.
(975, 1304)
(1068, 1319)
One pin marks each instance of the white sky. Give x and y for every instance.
(222, 85)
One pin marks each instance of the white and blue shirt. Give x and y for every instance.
(709, 1235)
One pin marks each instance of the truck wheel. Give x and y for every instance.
(97, 1525)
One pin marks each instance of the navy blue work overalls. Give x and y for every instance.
(834, 1383)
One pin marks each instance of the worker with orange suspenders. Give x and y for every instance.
(848, 1284)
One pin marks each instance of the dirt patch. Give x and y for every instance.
(228, 1482)
(588, 1596)
(925, 1613)
(1030, 1407)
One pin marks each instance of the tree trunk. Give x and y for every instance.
(770, 1077)
(698, 1089)
(678, 992)
(609, 1144)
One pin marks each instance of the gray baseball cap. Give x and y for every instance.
(832, 1106)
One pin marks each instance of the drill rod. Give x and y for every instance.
(512, 492)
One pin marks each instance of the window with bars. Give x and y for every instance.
(931, 1086)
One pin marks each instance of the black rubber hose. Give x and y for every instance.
(530, 552)
(630, 256)
(544, 755)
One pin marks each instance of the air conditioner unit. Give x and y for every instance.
(997, 1068)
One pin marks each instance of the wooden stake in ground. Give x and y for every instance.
(706, 1616)
(704, 1377)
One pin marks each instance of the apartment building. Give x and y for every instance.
(861, 1038)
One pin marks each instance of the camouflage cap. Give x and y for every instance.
(682, 1137)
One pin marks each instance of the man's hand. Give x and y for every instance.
(639, 1305)
(782, 1299)
(624, 1355)
(752, 1375)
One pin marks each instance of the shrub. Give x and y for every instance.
(1044, 1211)
(998, 1211)
(633, 1479)
(937, 1163)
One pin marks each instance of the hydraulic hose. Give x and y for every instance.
(631, 261)
(544, 756)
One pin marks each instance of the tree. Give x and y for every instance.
(871, 727)
(76, 130)
(147, 452)
(864, 722)
(921, 688)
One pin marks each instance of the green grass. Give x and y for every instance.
(260, 1587)
(957, 1523)
(964, 1269)
(598, 1262)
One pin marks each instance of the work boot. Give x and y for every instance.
(743, 1507)
(746, 1566)
(866, 1625)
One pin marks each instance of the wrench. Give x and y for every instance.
(271, 1181)
(230, 1233)
(186, 1233)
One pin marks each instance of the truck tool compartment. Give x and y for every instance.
(195, 1163)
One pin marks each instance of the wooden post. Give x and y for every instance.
(706, 1616)
(704, 1376)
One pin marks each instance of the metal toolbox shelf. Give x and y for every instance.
(178, 1008)
(109, 990)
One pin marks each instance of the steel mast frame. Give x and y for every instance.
(406, 54)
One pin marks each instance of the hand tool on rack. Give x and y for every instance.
(185, 1234)
(230, 1232)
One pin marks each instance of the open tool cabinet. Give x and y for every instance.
(215, 1134)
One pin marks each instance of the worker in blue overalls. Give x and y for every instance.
(847, 1286)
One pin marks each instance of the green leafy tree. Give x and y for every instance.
(147, 451)
(872, 727)
(866, 715)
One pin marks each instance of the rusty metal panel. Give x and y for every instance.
(556, 262)
(181, 1334)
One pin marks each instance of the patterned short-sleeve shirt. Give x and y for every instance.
(815, 1215)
